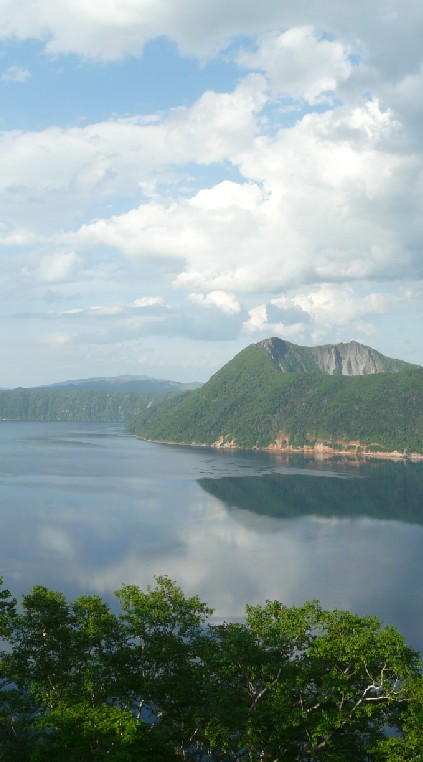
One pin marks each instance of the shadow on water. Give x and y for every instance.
(383, 491)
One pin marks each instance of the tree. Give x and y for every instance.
(159, 682)
(69, 663)
(166, 674)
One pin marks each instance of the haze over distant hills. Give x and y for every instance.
(343, 397)
(123, 384)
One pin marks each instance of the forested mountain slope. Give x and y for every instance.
(251, 403)
(116, 398)
(73, 405)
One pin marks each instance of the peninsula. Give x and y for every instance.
(338, 399)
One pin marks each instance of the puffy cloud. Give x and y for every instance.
(200, 229)
(228, 195)
(299, 64)
(57, 176)
(220, 299)
(263, 321)
(328, 305)
(149, 301)
(331, 197)
(53, 177)
(327, 312)
(391, 31)
(326, 200)
(311, 202)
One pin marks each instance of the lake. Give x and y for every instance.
(86, 507)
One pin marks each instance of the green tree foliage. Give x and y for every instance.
(159, 682)
(74, 404)
(252, 403)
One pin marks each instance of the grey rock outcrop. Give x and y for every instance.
(345, 359)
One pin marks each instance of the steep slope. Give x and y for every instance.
(251, 403)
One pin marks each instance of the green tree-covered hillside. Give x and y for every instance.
(251, 403)
(74, 404)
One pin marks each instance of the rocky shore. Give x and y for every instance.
(319, 451)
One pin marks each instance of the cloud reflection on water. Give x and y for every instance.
(126, 511)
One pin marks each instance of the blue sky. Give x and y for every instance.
(180, 180)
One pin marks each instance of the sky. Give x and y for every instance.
(182, 179)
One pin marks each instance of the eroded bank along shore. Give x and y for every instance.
(319, 451)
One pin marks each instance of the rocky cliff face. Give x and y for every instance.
(351, 359)
(346, 359)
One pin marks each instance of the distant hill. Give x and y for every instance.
(278, 394)
(123, 384)
(92, 399)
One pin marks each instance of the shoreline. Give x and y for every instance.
(319, 451)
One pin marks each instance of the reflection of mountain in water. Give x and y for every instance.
(393, 491)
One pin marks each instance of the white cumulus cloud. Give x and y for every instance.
(221, 299)
(299, 63)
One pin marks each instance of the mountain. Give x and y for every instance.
(123, 384)
(93, 399)
(279, 395)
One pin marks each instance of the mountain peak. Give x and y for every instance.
(345, 358)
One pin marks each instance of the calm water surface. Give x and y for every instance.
(85, 508)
